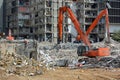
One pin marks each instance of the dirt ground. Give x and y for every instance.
(68, 74)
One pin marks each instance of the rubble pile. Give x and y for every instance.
(109, 62)
(65, 54)
(20, 65)
(34, 58)
(114, 46)
(52, 58)
(59, 55)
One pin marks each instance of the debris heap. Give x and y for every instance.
(20, 65)
(104, 62)
(47, 56)
(65, 54)
(114, 46)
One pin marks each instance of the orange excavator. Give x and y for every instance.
(84, 50)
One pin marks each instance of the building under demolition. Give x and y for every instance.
(37, 19)
(44, 18)
(87, 10)
(17, 17)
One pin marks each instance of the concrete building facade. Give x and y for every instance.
(1, 16)
(17, 17)
(87, 10)
(114, 15)
(44, 17)
(37, 19)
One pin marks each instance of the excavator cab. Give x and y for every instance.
(82, 49)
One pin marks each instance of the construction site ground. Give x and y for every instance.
(14, 66)
(67, 74)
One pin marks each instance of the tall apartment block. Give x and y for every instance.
(44, 17)
(37, 19)
(114, 15)
(88, 10)
(1, 16)
(17, 17)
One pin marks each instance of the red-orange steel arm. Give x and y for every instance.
(82, 35)
(60, 21)
(95, 22)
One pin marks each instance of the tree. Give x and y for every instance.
(116, 36)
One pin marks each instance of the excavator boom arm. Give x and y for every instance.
(84, 50)
(95, 22)
(81, 35)
(75, 22)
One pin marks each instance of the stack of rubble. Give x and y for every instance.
(20, 65)
(113, 45)
(60, 55)
(66, 54)
(109, 62)
(50, 55)
(112, 61)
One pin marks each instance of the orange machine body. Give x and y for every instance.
(97, 52)
(81, 34)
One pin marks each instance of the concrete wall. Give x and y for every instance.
(114, 27)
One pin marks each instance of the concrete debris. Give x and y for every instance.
(68, 46)
(62, 63)
(113, 45)
(18, 64)
(57, 55)
(46, 59)
(35, 58)
(65, 54)
(109, 62)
